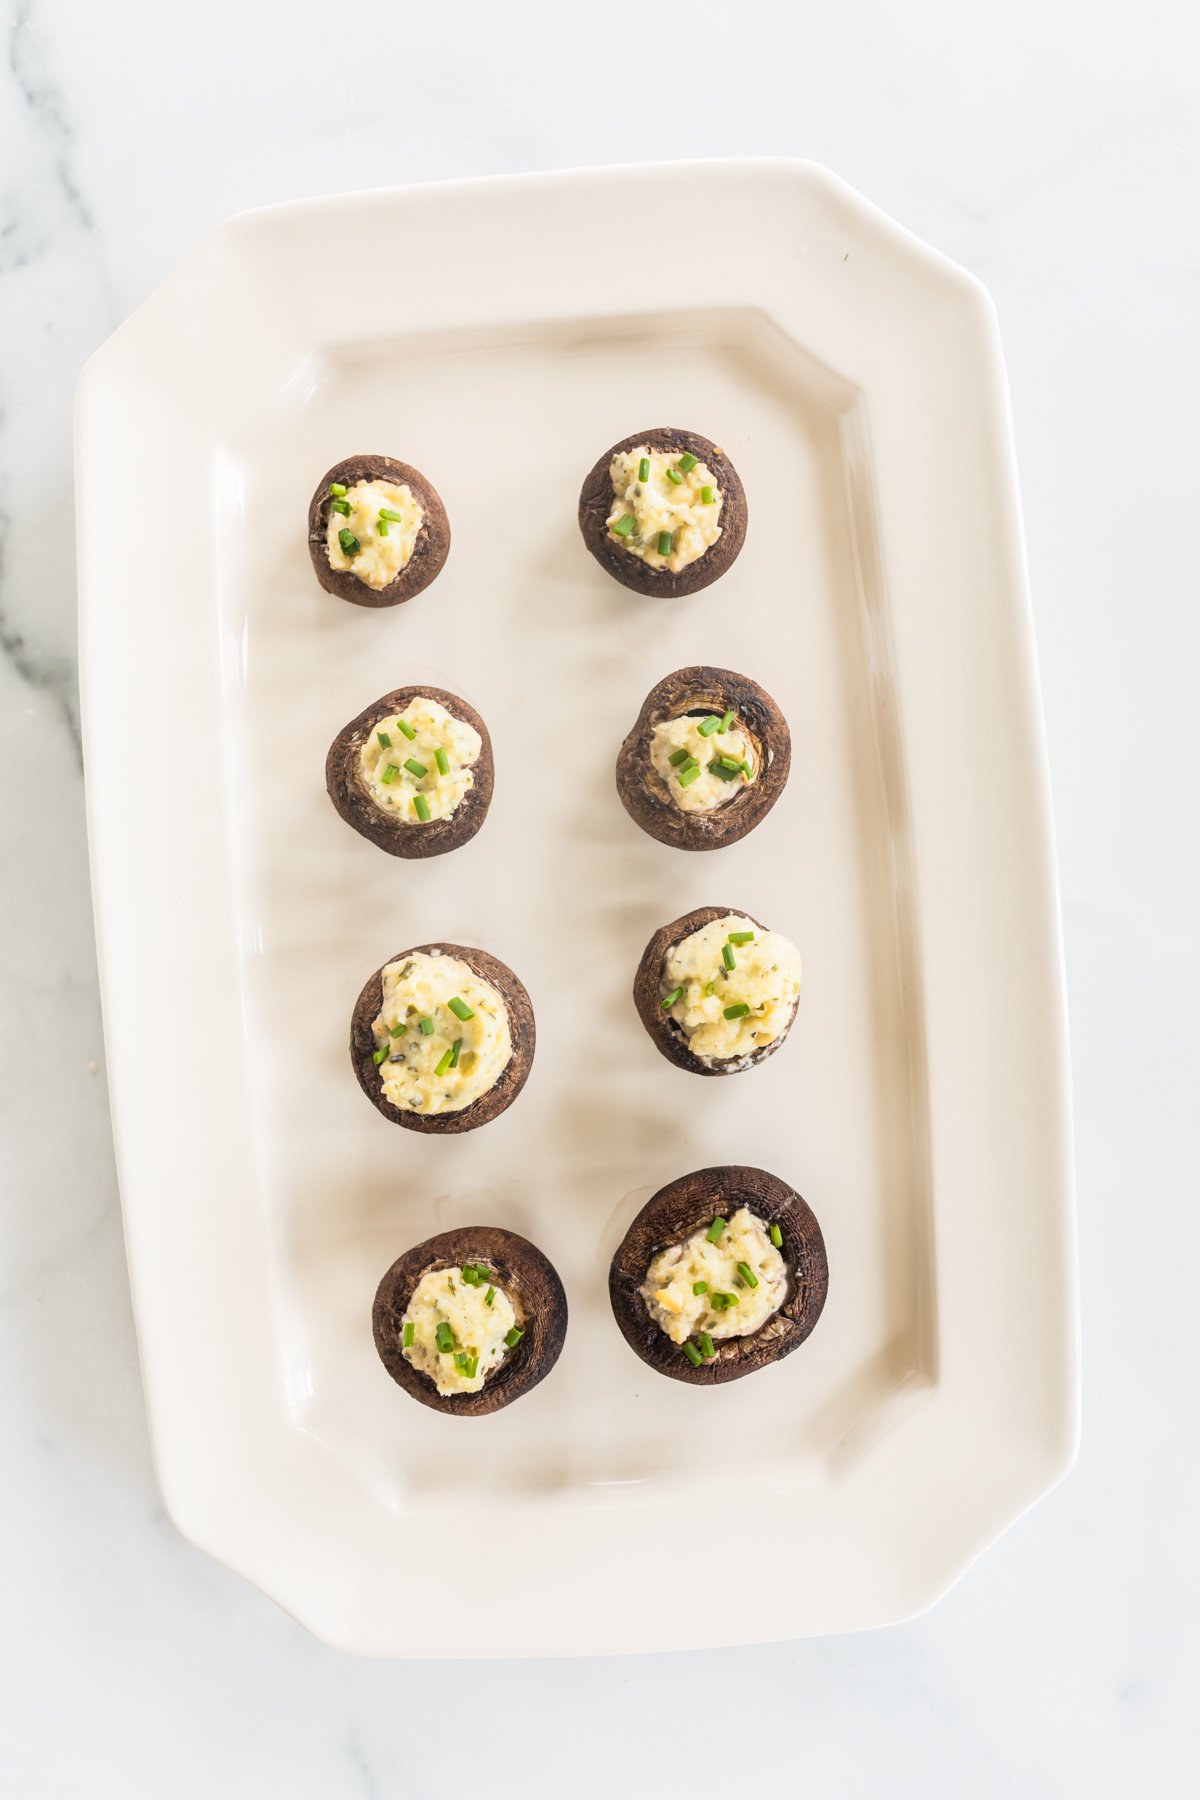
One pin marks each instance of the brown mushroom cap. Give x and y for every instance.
(595, 504)
(647, 996)
(528, 1278)
(512, 1077)
(688, 1205)
(701, 690)
(430, 550)
(386, 829)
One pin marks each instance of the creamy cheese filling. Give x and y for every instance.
(368, 542)
(648, 510)
(760, 990)
(703, 768)
(471, 1343)
(742, 1280)
(400, 761)
(431, 1059)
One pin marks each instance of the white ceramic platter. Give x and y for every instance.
(500, 335)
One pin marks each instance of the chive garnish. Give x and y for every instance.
(410, 731)
(727, 721)
(445, 1338)
(710, 988)
(341, 506)
(348, 541)
(723, 1302)
(664, 543)
(644, 469)
(715, 1229)
(624, 525)
(385, 742)
(489, 1296)
(727, 957)
(461, 1010)
(687, 462)
(722, 772)
(416, 768)
(514, 1336)
(699, 1287)
(461, 1360)
(747, 1274)
(386, 512)
(672, 997)
(741, 937)
(692, 1354)
(706, 495)
(679, 756)
(381, 526)
(410, 1332)
(737, 1012)
(398, 1030)
(443, 761)
(675, 476)
(689, 774)
(443, 1062)
(426, 1026)
(379, 1056)
(457, 1046)
(706, 727)
(730, 762)
(707, 1347)
(472, 1365)
(747, 769)
(777, 1237)
(338, 488)
(421, 808)
(389, 775)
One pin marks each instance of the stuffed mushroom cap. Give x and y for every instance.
(717, 990)
(377, 531)
(664, 511)
(413, 772)
(513, 1339)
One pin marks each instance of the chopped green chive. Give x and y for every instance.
(706, 495)
(472, 1365)
(671, 998)
(689, 774)
(675, 476)
(730, 762)
(719, 769)
(348, 541)
(741, 937)
(644, 469)
(379, 1056)
(710, 989)
(410, 1332)
(514, 1336)
(381, 527)
(777, 1237)
(443, 1062)
(747, 1274)
(727, 957)
(727, 721)
(470, 1275)
(737, 1012)
(426, 1026)
(389, 775)
(715, 1229)
(397, 1031)
(445, 1338)
(338, 488)
(410, 731)
(489, 1296)
(664, 543)
(341, 506)
(385, 742)
(707, 1347)
(706, 727)
(748, 769)
(416, 768)
(421, 808)
(693, 1355)
(699, 1287)
(722, 1302)
(462, 1362)
(624, 525)
(461, 1010)
(386, 512)
(443, 761)
(457, 1046)
(687, 462)
(679, 756)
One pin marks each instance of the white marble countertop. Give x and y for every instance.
(1054, 149)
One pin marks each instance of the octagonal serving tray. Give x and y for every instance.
(499, 335)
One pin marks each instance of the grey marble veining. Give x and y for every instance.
(1055, 150)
